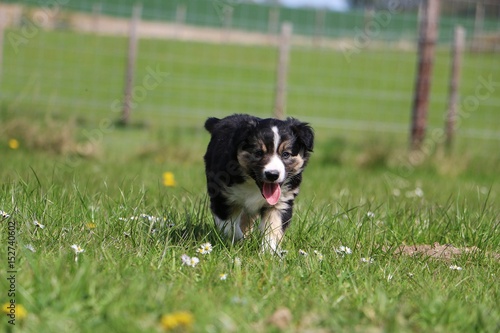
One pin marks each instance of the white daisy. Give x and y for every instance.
(319, 255)
(237, 262)
(367, 260)
(77, 249)
(223, 277)
(282, 253)
(30, 247)
(343, 250)
(38, 224)
(188, 261)
(205, 248)
(370, 214)
(194, 261)
(185, 259)
(455, 268)
(4, 214)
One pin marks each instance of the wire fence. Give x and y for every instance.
(347, 70)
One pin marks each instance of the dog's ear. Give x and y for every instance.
(303, 132)
(210, 123)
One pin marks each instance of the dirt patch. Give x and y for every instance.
(439, 251)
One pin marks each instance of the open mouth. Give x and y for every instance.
(271, 192)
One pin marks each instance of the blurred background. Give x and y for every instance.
(351, 71)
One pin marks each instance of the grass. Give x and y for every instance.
(360, 190)
(131, 274)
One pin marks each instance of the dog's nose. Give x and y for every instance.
(272, 175)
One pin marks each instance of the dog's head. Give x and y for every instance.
(273, 151)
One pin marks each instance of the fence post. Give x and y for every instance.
(180, 19)
(319, 28)
(478, 26)
(228, 21)
(273, 20)
(273, 24)
(426, 47)
(456, 65)
(130, 68)
(180, 14)
(282, 70)
(96, 14)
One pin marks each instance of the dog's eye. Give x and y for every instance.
(259, 153)
(286, 155)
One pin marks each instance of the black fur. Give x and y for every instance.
(241, 160)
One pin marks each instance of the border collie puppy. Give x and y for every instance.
(254, 170)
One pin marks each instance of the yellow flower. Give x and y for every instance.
(12, 309)
(90, 225)
(13, 144)
(180, 319)
(168, 179)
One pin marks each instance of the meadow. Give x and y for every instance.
(102, 187)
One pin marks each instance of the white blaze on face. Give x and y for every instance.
(275, 163)
(272, 191)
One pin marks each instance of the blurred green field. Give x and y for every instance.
(255, 17)
(89, 182)
(84, 74)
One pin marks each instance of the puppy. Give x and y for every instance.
(254, 169)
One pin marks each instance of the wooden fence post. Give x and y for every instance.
(282, 70)
(273, 21)
(456, 65)
(319, 29)
(227, 13)
(180, 19)
(426, 46)
(96, 15)
(478, 26)
(180, 14)
(130, 69)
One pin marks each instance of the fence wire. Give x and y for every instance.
(348, 70)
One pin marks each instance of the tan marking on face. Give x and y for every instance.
(263, 146)
(285, 145)
(295, 163)
(244, 159)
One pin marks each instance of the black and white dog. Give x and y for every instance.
(254, 169)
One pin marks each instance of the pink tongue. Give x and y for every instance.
(271, 193)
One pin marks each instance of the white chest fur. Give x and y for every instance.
(247, 195)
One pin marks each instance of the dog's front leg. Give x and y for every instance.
(271, 226)
(246, 224)
(230, 228)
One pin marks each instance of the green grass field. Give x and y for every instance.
(99, 186)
